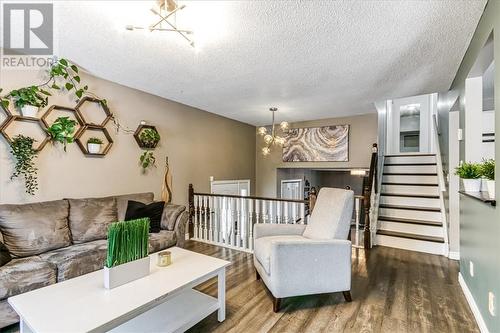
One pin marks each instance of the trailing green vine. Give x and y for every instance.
(22, 149)
(147, 159)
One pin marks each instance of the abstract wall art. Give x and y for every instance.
(319, 144)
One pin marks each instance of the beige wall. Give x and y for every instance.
(199, 145)
(363, 133)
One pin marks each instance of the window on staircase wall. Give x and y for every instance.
(480, 106)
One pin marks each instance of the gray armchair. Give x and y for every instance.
(294, 260)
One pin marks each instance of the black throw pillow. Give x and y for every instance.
(4, 255)
(139, 210)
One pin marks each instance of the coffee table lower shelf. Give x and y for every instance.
(175, 315)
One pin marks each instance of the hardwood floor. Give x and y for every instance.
(393, 291)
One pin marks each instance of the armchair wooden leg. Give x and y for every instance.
(276, 304)
(347, 296)
(257, 276)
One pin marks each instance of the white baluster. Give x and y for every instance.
(237, 204)
(221, 219)
(295, 211)
(286, 212)
(357, 212)
(302, 208)
(196, 223)
(264, 214)
(257, 211)
(249, 243)
(210, 219)
(216, 219)
(227, 222)
(205, 221)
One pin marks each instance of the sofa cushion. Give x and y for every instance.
(77, 259)
(170, 215)
(30, 229)
(122, 201)
(89, 218)
(153, 212)
(7, 314)
(161, 240)
(331, 216)
(25, 274)
(262, 248)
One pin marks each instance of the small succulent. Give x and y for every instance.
(95, 141)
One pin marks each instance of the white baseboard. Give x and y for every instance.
(454, 255)
(472, 304)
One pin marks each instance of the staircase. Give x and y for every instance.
(410, 212)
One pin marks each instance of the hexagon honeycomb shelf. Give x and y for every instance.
(7, 114)
(137, 135)
(12, 119)
(103, 107)
(54, 108)
(83, 145)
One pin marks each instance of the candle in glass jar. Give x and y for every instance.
(164, 258)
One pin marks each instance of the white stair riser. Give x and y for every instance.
(413, 201)
(410, 214)
(409, 159)
(411, 244)
(410, 169)
(409, 179)
(410, 189)
(416, 229)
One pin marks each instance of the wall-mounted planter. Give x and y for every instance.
(125, 273)
(147, 136)
(94, 148)
(84, 147)
(29, 111)
(35, 121)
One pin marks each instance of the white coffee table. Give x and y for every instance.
(164, 301)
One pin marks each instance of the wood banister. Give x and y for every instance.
(369, 183)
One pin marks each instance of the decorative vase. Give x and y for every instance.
(125, 273)
(94, 148)
(166, 191)
(472, 185)
(29, 110)
(490, 185)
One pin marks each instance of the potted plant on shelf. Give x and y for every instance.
(23, 151)
(146, 160)
(94, 145)
(127, 255)
(471, 176)
(488, 172)
(29, 100)
(62, 130)
(149, 137)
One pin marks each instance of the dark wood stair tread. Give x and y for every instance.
(409, 174)
(408, 164)
(409, 184)
(404, 195)
(406, 155)
(410, 236)
(409, 221)
(429, 209)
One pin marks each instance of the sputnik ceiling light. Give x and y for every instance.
(167, 11)
(273, 137)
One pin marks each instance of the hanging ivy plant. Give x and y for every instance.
(147, 159)
(22, 149)
(149, 137)
(62, 130)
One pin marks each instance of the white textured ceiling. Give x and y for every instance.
(311, 59)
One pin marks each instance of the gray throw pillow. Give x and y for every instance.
(31, 229)
(170, 214)
(90, 218)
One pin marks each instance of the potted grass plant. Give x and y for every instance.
(94, 145)
(127, 255)
(470, 174)
(488, 172)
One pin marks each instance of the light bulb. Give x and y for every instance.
(268, 138)
(280, 140)
(284, 126)
(262, 131)
(266, 151)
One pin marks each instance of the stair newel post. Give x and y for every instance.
(191, 210)
(367, 193)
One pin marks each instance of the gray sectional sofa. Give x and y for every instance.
(54, 241)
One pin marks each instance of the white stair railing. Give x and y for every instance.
(228, 220)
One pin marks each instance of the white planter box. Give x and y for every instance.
(490, 185)
(472, 185)
(125, 273)
(29, 111)
(94, 148)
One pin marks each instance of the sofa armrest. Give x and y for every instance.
(311, 266)
(180, 228)
(267, 229)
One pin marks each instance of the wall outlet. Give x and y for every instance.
(471, 268)
(492, 304)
